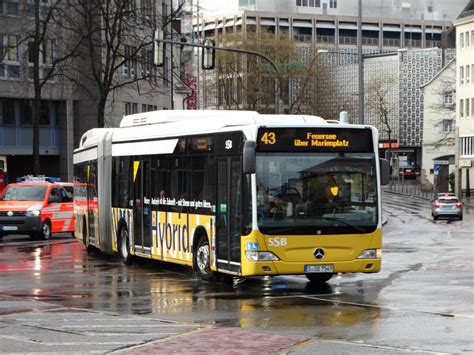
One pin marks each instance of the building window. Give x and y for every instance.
(128, 108)
(461, 75)
(468, 74)
(332, 4)
(8, 111)
(47, 56)
(467, 107)
(26, 112)
(308, 3)
(461, 40)
(448, 98)
(461, 108)
(447, 126)
(9, 7)
(467, 146)
(126, 63)
(9, 57)
(467, 39)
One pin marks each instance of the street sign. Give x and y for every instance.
(465, 163)
(437, 167)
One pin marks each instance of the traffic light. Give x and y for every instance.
(159, 49)
(208, 55)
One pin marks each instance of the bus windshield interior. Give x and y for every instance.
(316, 193)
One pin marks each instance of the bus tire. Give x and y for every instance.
(318, 278)
(45, 230)
(124, 247)
(202, 260)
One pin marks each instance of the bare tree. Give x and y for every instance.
(250, 83)
(380, 102)
(445, 92)
(47, 54)
(48, 51)
(116, 43)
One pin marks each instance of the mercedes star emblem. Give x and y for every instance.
(319, 253)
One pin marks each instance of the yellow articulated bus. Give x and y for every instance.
(233, 193)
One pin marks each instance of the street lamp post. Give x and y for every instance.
(360, 63)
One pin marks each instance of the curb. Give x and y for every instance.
(470, 205)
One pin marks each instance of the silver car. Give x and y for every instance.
(446, 205)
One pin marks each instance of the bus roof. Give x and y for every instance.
(231, 118)
(174, 123)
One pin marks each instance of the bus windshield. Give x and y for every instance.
(316, 193)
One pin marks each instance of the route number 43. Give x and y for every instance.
(268, 138)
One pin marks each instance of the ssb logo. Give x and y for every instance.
(277, 242)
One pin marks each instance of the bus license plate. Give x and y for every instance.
(10, 228)
(318, 268)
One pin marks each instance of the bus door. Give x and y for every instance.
(229, 192)
(142, 206)
(92, 206)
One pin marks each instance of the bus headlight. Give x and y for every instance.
(32, 213)
(370, 254)
(261, 256)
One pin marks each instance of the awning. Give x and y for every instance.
(413, 29)
(433, 30)
(284, 23)
(249, 21)
(392, 29)
(370, 27)
(325, 25)
(267, 22)
(347, 27)
(302, 24)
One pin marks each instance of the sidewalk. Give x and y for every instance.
(414, 190)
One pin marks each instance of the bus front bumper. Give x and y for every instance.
(292, 268)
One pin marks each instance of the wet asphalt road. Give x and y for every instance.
(56, 298)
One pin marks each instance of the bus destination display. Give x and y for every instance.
(314, 140)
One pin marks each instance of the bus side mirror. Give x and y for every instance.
(249, 157)
(384, 172)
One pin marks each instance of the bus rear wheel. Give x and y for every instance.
(318, 278)
(202, 260)
(125, 246)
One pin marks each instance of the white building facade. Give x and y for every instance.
(465, 100)
(438, 150)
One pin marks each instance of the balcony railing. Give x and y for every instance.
(431, 44)
(368, 41)
(412, 42)
(325, 39)
(391, 42)
(303, 38)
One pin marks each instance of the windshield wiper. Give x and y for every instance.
(347, 224)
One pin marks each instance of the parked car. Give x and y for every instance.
(446, 205)
(409, 173)
(38, 208)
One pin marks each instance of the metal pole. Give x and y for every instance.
(360, 64)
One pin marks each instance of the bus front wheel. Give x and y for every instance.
(203, 260)
(125, 246)
(318, 278)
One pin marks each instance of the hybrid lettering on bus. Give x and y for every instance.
(233, 193)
